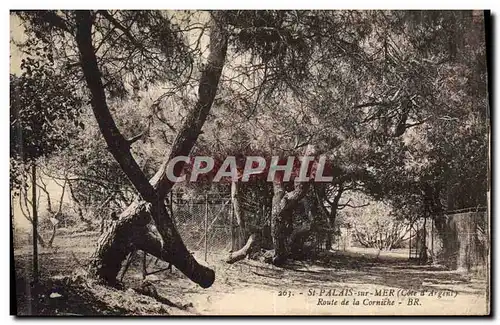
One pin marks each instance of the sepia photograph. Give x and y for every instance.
(250, 162)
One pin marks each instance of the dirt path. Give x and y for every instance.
(329, 286)
(256, 289)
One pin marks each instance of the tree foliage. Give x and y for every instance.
(44, 111)
(395, 99)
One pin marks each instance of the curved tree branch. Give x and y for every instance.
(207, 89)
(117, 144)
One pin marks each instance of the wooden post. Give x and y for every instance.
(206, 226)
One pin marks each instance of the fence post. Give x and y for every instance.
(206, 226)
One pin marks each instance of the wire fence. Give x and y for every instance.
(205, 224)
(462, 242)
(208, 229)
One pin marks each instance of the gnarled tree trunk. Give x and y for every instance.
(145, 224)
(283, 205)
(332, 214)
(301, 233)
(246, 241)
(243, 251)
(239, 214)
(136, 229)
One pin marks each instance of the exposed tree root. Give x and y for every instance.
(243, 252)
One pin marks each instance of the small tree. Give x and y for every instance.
(42, 104)
(377, 226)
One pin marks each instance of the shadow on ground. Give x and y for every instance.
(172, 292)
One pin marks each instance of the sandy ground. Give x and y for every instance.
(332, 285)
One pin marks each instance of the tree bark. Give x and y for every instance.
(52, 236)
(35, 224)
(43, 187)
(136, 230)
(147, 225)
(117, 144)
(300, 234)
(332, 214)
(246, 241)
(283, 205)
(243, 252)
(298, 237)
(241, 231)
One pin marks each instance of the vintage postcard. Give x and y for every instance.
(250, 162)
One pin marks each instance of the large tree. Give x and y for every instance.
(348, 84)
(145, 224)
